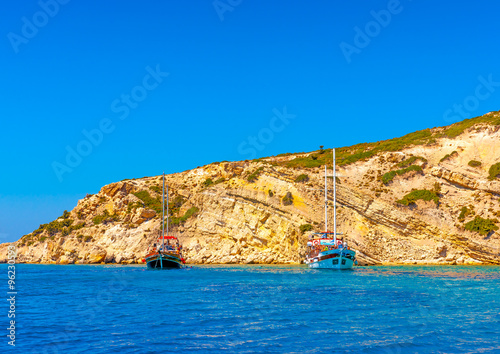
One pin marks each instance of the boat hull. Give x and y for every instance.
(163, 261)
(333, 260)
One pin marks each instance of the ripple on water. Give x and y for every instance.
(273, 309)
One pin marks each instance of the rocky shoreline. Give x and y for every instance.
(262, 211)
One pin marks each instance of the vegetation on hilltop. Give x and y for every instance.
(63, 225)
(351, 154)
(456, 129)
(209, 182)
(255, 175)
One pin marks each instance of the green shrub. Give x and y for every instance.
(411, 160)
(447, 156)
(270, 193)
(422, 194)
(104, 218)
(255, 175)
(305, 227)
(57, 226)
(474, 163)
(389, 176)
(494, 171)
(437, 188)
(219, 180)
(133, 206)
(287, 199)
(302, 178)
(65, 214)
(175, 204)
(480, 225)
(464, 212)
(208, 182)
(156, 189)
(181, 220)
(150, 202)
(100, 218)
(53, 227)
(87, 238)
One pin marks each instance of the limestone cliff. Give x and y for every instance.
(236, 212)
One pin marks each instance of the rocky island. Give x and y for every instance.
(430, 197)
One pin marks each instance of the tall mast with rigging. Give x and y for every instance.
(326, 202)
(163, 212)
(334, 198)
(168, 214)
(162, 222)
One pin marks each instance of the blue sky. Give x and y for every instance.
(233, 66)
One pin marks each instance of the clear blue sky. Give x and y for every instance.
(231, 69)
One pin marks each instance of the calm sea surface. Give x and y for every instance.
(268, 309)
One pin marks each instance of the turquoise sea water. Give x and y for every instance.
(247, 309)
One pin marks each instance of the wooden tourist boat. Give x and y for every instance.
(165, 253)
(325, 249)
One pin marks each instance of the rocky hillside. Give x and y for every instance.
(431, 197)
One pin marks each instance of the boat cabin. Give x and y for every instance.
(325, 241)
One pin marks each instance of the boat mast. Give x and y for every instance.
(162, 223)
(326, 203)
(334, 198)
(168, 214)
(163, 214)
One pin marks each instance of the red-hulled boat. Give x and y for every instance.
(165, 253)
